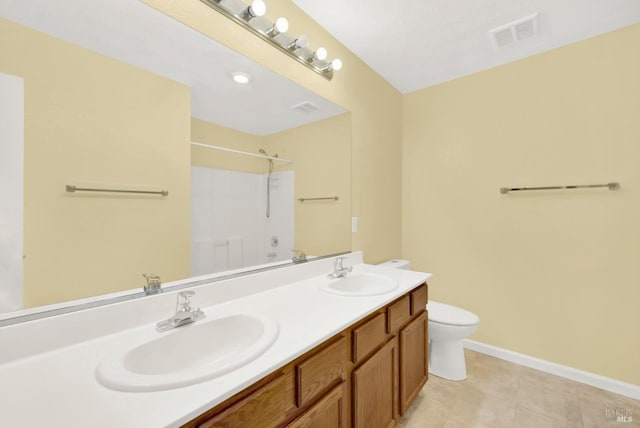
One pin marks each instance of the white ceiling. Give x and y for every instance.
(414, 44)
(132, 32)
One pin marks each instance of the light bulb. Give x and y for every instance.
(257, 8)
(336, 64)
(321, 54)
(299, 43)
(282, 25)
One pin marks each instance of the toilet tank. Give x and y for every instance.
(397, 264)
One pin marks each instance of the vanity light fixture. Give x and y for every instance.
(252, 19)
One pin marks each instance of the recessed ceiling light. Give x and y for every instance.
(240, 77)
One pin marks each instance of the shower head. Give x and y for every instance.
(262, 151)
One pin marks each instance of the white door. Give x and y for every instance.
(11, 202)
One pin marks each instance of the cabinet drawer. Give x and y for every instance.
(263, 408)
(318, 372)
(398, 314)
(368, 336)
(419, 299)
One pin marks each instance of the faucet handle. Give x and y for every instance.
(154, 285)
(337, 263)
(151, 278)
(184, 301)
(298, 256)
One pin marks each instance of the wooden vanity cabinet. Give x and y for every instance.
(413, 359)
(414, 348)
(375, 387)
(364, 377)
(386, 383)
(263, 407)
(316, 373)
(308, 392)
(328, 412)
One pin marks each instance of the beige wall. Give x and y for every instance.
(321, 153)
(93, 120)
(551, 274)
(375, 113)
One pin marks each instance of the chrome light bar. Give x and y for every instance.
(251, 18)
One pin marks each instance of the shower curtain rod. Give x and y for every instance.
(226, 149)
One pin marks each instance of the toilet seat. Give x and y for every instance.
(450, 315)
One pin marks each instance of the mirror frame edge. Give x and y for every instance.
(41, 312)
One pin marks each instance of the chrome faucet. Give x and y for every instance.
(298, 256)
(339, 271)
(185, 314)
(153, 284)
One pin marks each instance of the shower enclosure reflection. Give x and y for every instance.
(244, 194)
(240, 219)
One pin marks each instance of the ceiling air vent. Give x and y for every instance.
(515, 31)
(306, 107)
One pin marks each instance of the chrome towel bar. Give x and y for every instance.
(71, 188)
(611, 186)
(334, 198)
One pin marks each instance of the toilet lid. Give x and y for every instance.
(447, 314)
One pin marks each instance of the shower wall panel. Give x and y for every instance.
(229, 227)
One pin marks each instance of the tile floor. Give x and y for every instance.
(499, 394)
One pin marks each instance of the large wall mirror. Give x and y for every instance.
(114, 95)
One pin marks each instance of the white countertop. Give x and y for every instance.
(58, 388)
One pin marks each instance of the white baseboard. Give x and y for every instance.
(608, 384)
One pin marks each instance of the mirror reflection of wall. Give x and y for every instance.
(95, 121)
(91, 120)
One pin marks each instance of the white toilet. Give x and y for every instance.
(448, 326)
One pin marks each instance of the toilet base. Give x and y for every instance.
(446, 359)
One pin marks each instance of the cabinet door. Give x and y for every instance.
(375, 389)
(413, 360)
(328, 412)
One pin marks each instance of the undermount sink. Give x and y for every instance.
(189, 354)
(360, 284)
